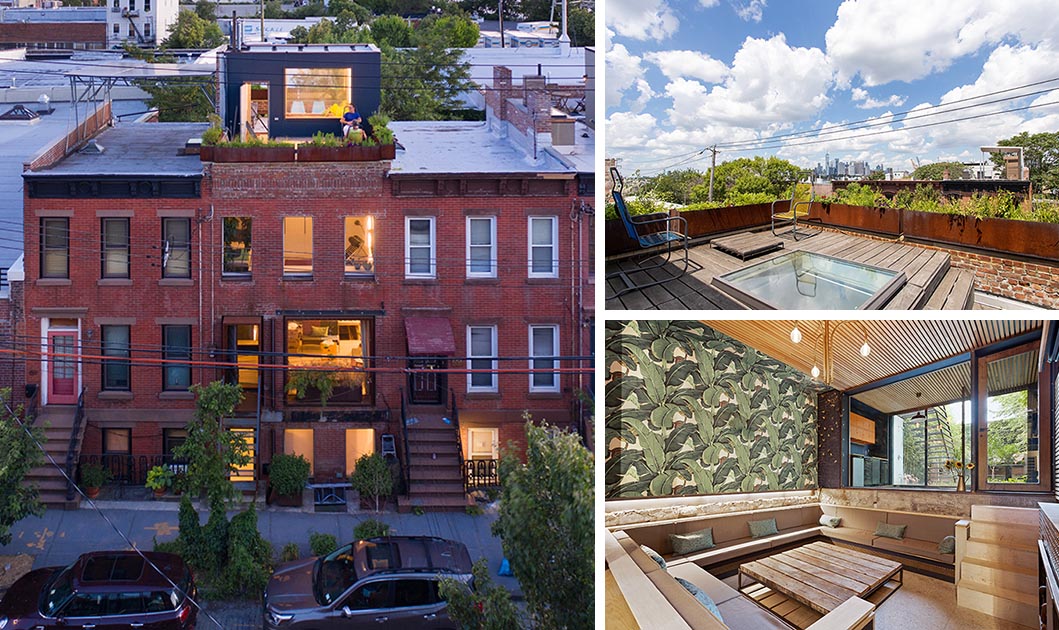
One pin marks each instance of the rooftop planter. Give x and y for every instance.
(878, 220)
(710, 221)
(1005, 236)
(251, 152)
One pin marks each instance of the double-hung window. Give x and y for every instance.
(360, 245)
(115, 248)
(116, 370)
(297, 246)
(176, 248)
(481, 247)
(55, 248)
(177, 346)
(543, 247)
(482, 355)
(420, 256)
(544, 350)
(237, 246)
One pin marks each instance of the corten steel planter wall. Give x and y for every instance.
(253, 154)
(1005, 236)
(206, 153)
(355, 153)
(878, 220)
(719, 220)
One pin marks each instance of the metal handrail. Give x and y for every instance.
(32, 404)
(75, 440)
(406, 473)
(454, 415)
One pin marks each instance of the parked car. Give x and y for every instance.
(103, 590)
(386, 582)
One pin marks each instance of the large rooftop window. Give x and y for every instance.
(317, 92)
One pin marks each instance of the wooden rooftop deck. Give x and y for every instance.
(931, 282)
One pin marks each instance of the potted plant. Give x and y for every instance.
(383, 135)
(180, 483)
(287, 476)
(94, 477)
(159, 479)
(324, 147)
(300, 382)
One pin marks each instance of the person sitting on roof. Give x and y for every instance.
(351, 122)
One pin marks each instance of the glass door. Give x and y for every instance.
(62, 370)
(427, 387)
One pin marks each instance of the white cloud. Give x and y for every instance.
(864, 101)
(905, 40)
(641, 19)
(688, 63)
(749, 10)
(625, 130)
(706, 4)
(625, 80)
(768, 82)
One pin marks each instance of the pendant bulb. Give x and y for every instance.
(865, 350)
(796, 335)
(815, 371)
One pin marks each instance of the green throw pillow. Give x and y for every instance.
(652, 554)
(830, 521)
(886, 530)
(703, 598)
(766, 527)
(690, 543)
(947, 545)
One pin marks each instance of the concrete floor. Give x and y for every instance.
(925, 603)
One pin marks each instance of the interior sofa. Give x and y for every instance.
(731, 533)
(654, 599)
(922, 535)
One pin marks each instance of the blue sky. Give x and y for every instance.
(685, 74)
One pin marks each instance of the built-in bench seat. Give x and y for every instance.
(657, 601)
(922, 535)
(731, 533)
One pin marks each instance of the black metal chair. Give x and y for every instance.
(648, 240)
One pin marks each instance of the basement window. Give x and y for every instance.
(317, 92)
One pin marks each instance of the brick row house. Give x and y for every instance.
(447, 290)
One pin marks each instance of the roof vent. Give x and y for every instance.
(19, 112)
(93, 148)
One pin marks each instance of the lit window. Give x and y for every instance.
(297, 246)
(335, 348)
(115, 248)
(116, 344)
(237, 248)
(481, 247)
(544, 348)
(1014, 440)
(481, 350)
(317, 92)
(55, 248)
(360, 246)
(543, 247)
(176, 248)
(420, 261)
(176, 341)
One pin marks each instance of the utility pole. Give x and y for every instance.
(501, 16)
(713, 167)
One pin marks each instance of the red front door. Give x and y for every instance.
(62, 371)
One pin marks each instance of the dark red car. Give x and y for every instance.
(104, 590)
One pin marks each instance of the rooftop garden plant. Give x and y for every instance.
(380, 128)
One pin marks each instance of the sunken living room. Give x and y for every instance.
(831, 474)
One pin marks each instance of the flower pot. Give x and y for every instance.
(159, 493)
(92, 493)
(285, 500)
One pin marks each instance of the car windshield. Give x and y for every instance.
(58, 591)
(334, 574)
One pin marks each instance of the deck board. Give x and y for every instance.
(929, 281)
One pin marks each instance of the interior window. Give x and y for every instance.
(330, 345)
(360, 245)
(371, 596)
(317, 92)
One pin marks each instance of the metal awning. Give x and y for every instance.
(429, 336)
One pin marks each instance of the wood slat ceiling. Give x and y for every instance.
(896, 345)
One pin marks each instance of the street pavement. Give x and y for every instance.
(60, 536)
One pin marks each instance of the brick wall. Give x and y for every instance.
(12, 367)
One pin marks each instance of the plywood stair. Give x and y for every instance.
(435, 465)
(57, 423)
(996, 557)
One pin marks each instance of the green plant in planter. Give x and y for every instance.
(94, 476)
(380, 128)
(212, 136)
(288, 473)
(300, 381)
(321, 139)
(159, 478)
(290, 552)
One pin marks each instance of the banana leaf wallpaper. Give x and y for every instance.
(692, 411)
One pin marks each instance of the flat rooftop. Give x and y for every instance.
(137, 149)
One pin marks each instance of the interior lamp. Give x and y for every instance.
(796, 335)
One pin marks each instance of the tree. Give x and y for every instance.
(191, 31)
(486, 606)
(581, 26)
(177, 99)
(550, 497)
(937, 170)
(372, 478)
(1041, 155)
(750, 180)
(423, 83)
(675, 186)
(391, 30)
(274, 10)
(876, 176)
(214, 452)
(451, 31)
(18, 455)
(206, 10)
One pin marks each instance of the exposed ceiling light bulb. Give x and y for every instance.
(815, 372)
(796, 335)
(865, 350)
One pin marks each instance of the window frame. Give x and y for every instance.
(186, 247)
(492, 246)
(299, 274)
(45, 248)
(332, 77)
(493, 359)
(555, 387)
(128, 440)
(553, 246)
(368, 226)
(119, 352)
(408, 273)
(170, 352)
(225, 273)
(107, 248)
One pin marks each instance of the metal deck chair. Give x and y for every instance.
(791, 214)
(648, 240)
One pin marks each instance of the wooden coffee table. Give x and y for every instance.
(822, 576)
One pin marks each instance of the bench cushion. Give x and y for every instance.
(684, 544)
(684, 602)
(762, 528)
(701, 596)
(718, 591)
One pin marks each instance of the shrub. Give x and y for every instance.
(372, 478)
(322, 544)
(380, 128)
(214, 540)
(169, 546)
(212, 135)
(321, 139)
(94, 476)
(190, 531)
(290, 552)
(248, 566)
(485, 605)
(370, 528)
(288, 473)
(159, 478)
(475, 510)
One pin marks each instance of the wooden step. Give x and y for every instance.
(1007, 534)
(420, 473)
(1029, 517)
(987, 574)
(1020, 608)
(954, 292)
(993, 552)
(436, 487)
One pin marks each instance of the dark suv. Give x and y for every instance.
(388, 582)
(103, 590)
